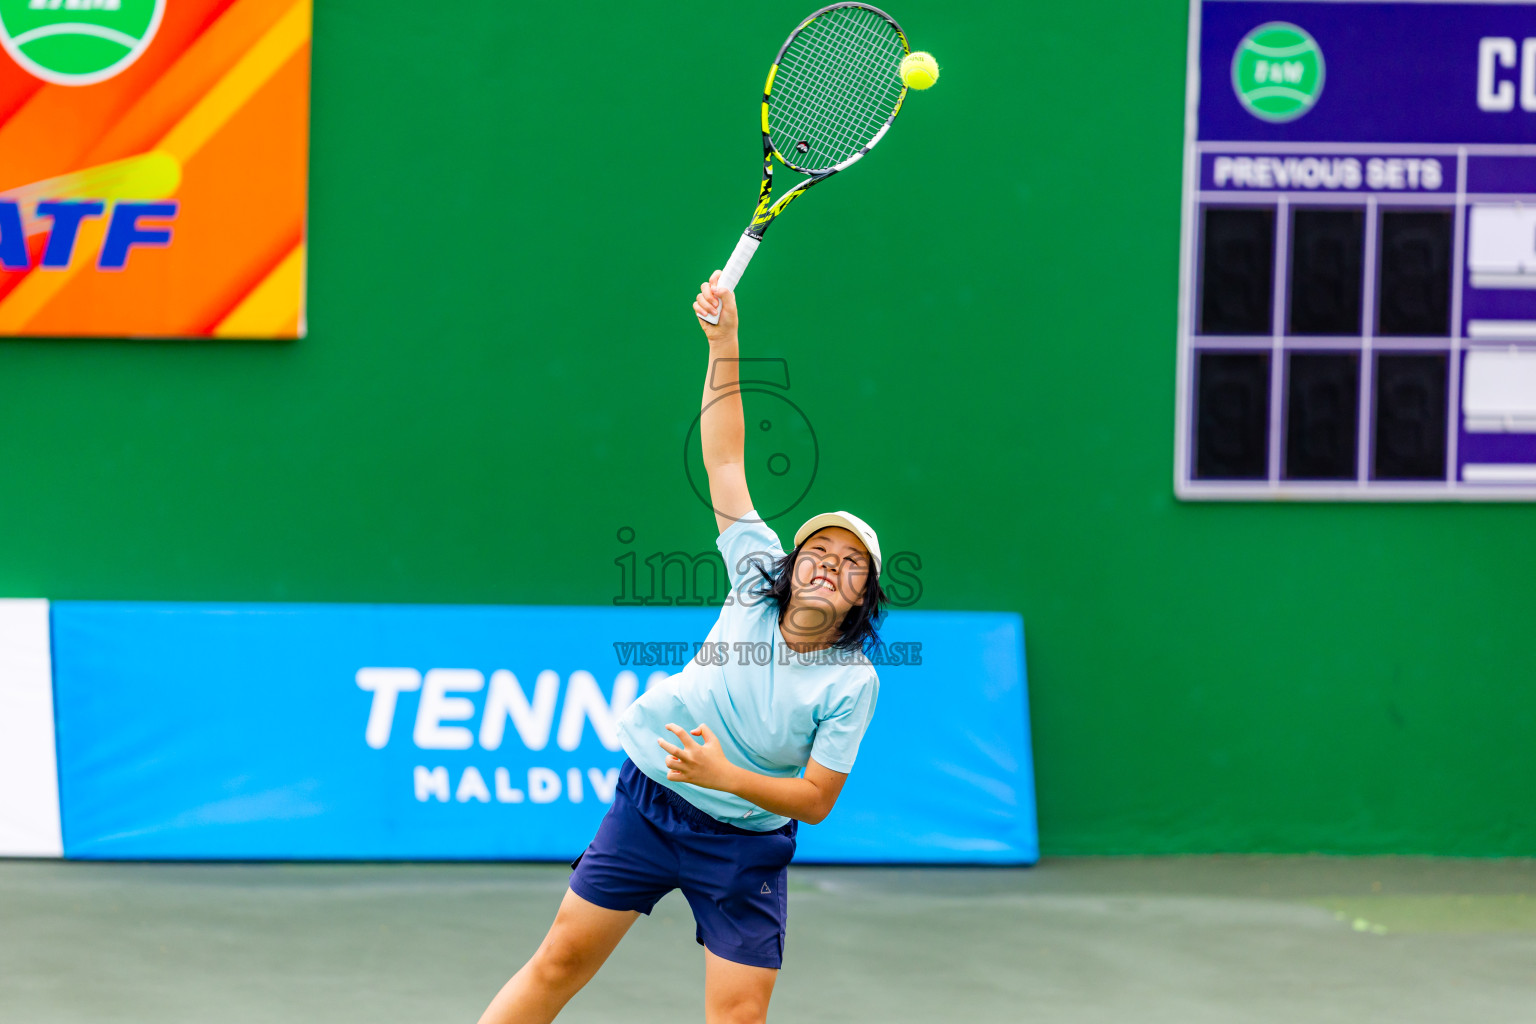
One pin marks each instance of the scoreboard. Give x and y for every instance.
(1357, 315)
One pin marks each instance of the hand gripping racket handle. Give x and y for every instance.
(736, 266)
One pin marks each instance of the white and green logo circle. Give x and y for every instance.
(1277, 71)
(78, 42)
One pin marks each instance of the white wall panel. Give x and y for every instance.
(29, 778)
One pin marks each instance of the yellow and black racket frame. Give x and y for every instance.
(767, 208)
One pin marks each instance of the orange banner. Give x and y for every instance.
(153, 164)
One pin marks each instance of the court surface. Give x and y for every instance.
(1252, 939)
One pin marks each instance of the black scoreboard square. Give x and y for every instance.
(1415, 277)
(1237, 271)
(1327, 257)
(1412, 399)
(1232, 416)
(1322, 416)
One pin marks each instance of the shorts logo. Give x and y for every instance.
(78, 42)
(1277, 72)
(765, 890)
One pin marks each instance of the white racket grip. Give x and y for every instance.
(736, 266)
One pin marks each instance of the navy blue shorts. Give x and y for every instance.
(653, 841)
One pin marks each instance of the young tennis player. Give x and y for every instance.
(755, 735)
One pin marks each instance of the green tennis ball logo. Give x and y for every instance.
(78, 42)
(1277, 72)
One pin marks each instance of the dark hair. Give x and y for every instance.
(857, 630)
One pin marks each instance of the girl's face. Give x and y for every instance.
(830, 574)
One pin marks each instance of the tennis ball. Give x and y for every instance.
(919, 70)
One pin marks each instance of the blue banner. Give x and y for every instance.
(443, 732)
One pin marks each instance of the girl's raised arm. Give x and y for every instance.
(721, 428)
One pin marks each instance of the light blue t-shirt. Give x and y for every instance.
(769, 718)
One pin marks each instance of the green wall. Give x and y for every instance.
(509, 216)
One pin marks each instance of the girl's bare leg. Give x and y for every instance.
(736, 993)
(577, 944)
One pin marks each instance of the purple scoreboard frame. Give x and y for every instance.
(1424, 108)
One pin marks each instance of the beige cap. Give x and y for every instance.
(848, 521)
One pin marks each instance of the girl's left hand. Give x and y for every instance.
(702, 764)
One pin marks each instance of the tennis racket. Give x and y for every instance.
(832, 93)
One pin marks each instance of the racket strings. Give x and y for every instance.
(847, 40)
(854, 94)
(839, 87)
(880, 54)
(836, 87)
